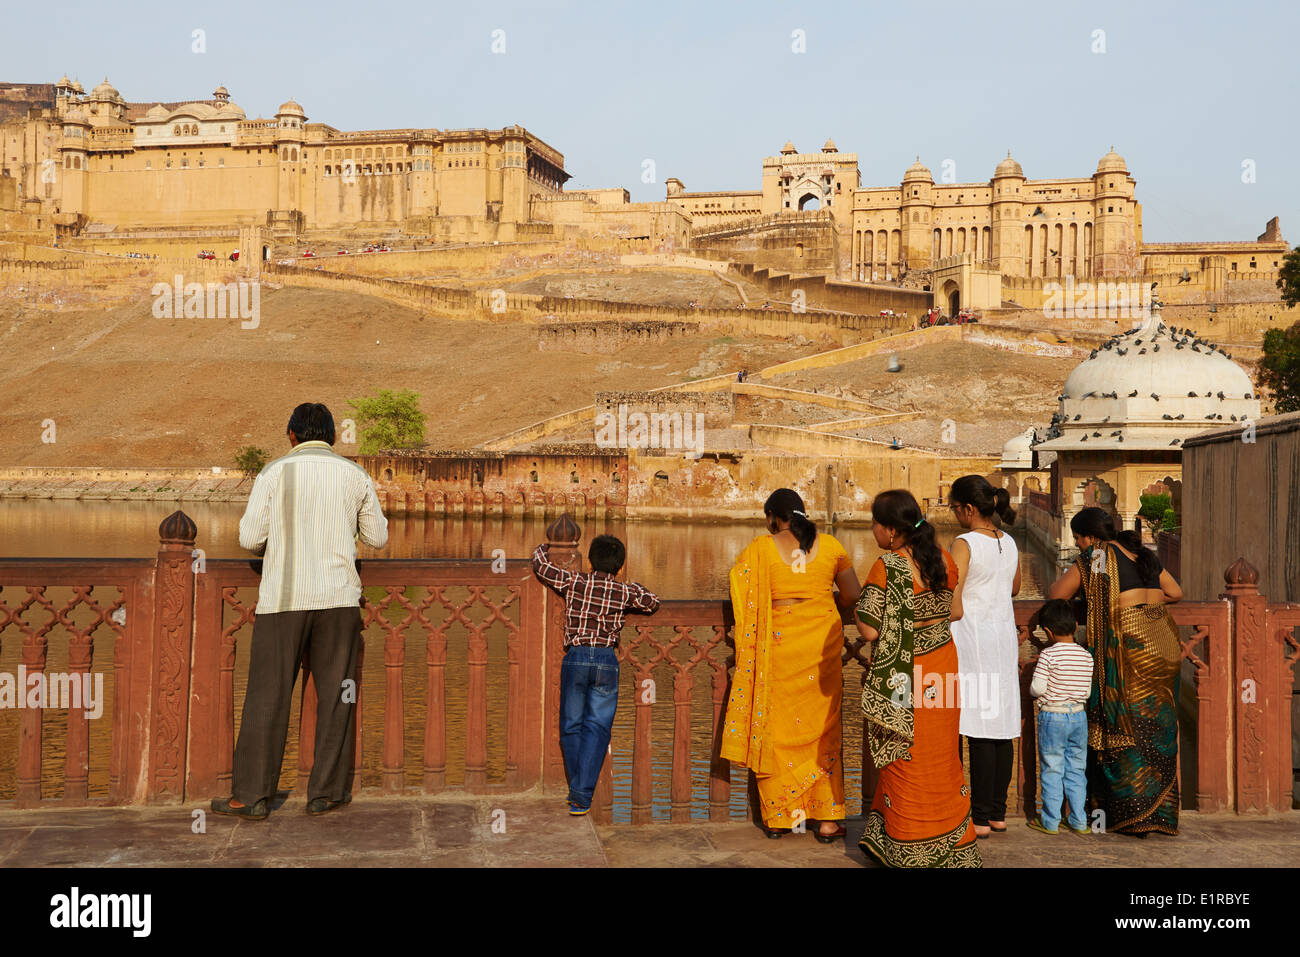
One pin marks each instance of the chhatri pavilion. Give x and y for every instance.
(1124, 413)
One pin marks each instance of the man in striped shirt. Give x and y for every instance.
(1062, 682)
(304, 515)
(595, 606)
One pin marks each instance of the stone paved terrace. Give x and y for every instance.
(457, 831)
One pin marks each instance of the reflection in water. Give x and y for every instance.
(676, 560)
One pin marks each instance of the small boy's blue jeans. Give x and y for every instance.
(1063, 757)
(588, 699)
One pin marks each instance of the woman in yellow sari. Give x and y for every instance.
(783, 714)
(921, 814)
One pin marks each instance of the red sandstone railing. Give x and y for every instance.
(1041, 500)
(177, 625)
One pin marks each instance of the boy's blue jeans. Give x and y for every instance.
(588, 699)
(1063, 756)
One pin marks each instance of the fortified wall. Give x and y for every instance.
(789, 241)
(584, 480)
(591, 482)
(610, 335)
(822, 293)
(1242, 323)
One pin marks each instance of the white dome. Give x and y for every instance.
(1018, 452)
(1150, 388)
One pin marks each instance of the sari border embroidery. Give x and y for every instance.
(887, 695)
(939, 851)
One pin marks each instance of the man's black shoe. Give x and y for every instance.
(254, 812)
(325, 805)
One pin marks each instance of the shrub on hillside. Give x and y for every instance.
(389, 420)
(251, 460)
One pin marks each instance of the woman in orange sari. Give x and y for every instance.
(783, 713)
(920, 816)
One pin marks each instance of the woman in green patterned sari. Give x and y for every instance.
(1132, 711)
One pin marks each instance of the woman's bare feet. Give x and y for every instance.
(997, 826)
(982, 830)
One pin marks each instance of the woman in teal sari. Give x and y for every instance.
(1136, 652)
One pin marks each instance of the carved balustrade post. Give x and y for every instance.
(30, 720)
(1255, 691)
(169, 659)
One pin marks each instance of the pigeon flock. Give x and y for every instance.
(1122, 345)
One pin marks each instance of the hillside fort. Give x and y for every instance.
(76, 162)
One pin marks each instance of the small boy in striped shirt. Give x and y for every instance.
(1062, 682)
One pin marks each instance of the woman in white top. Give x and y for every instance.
(984, 630)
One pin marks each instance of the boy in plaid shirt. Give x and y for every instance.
(595, 605)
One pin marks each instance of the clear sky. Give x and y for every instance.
(1186, 91)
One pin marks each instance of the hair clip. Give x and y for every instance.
(918, 522)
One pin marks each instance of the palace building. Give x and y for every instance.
(1009, 226)
(71, 158)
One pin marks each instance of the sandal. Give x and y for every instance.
(998, 830)
(982, 831)
(835, 835)
(774, 833)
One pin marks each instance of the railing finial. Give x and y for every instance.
(564, 531)
(1241, 573)
(177, 529)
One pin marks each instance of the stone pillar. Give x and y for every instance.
(1261, 750)
(169, 659)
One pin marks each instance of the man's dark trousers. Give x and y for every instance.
(332, 636)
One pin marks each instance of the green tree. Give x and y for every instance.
(1288, 277)
(389, 420)
(1279, 367)
(1153, 507)
(1171, 520)
(251, 460)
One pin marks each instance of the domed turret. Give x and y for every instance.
(1150, 388)
(290, 108)
(156, 112)
(221, 93)
(788, 148)
(830, 147)
(1112, 162)
(105, 91)
(1008, 167)
(77, 87)
(918, 171)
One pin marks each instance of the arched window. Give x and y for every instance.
(176, 130)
